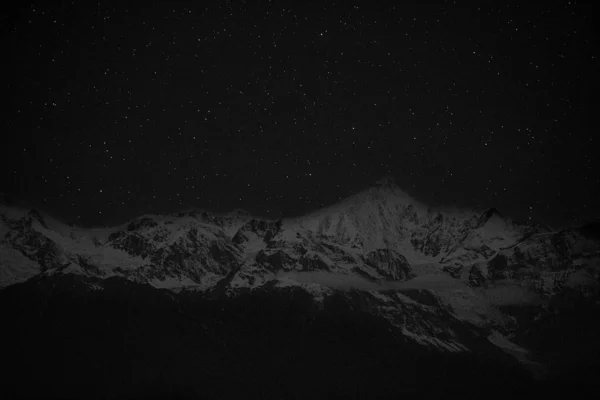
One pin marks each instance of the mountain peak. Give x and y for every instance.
(489, 214)
(36, 215)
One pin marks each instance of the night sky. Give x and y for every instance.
(281, 107)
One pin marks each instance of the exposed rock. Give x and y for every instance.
(275, 261)
(389, 263)
(313, 263)
(476, 277)
(140, 223)
(263, 229)
(489, 214)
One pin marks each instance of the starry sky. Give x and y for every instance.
(276, 107)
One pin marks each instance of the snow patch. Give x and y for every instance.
(429, 341)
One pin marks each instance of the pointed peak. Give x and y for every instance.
(386, 186)
(35, 214)
(489, 214)
(494, 211)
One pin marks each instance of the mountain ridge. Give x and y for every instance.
(441, 280)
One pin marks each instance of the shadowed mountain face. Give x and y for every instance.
(378, 296)
(70, 340)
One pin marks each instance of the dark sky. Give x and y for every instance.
(280, 107)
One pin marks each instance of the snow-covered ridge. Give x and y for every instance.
(381, 217)
(381, 242)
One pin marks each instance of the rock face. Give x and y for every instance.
(389, 264)
(464, 283)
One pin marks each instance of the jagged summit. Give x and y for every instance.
(491, 214)
(385, 192)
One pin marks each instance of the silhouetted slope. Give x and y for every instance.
(133, 341)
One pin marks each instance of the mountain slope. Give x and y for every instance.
(462, 284)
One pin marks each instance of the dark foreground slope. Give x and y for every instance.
(63, 339)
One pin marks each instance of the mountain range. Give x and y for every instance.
(378, 296)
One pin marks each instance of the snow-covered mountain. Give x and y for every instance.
(450, 281)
